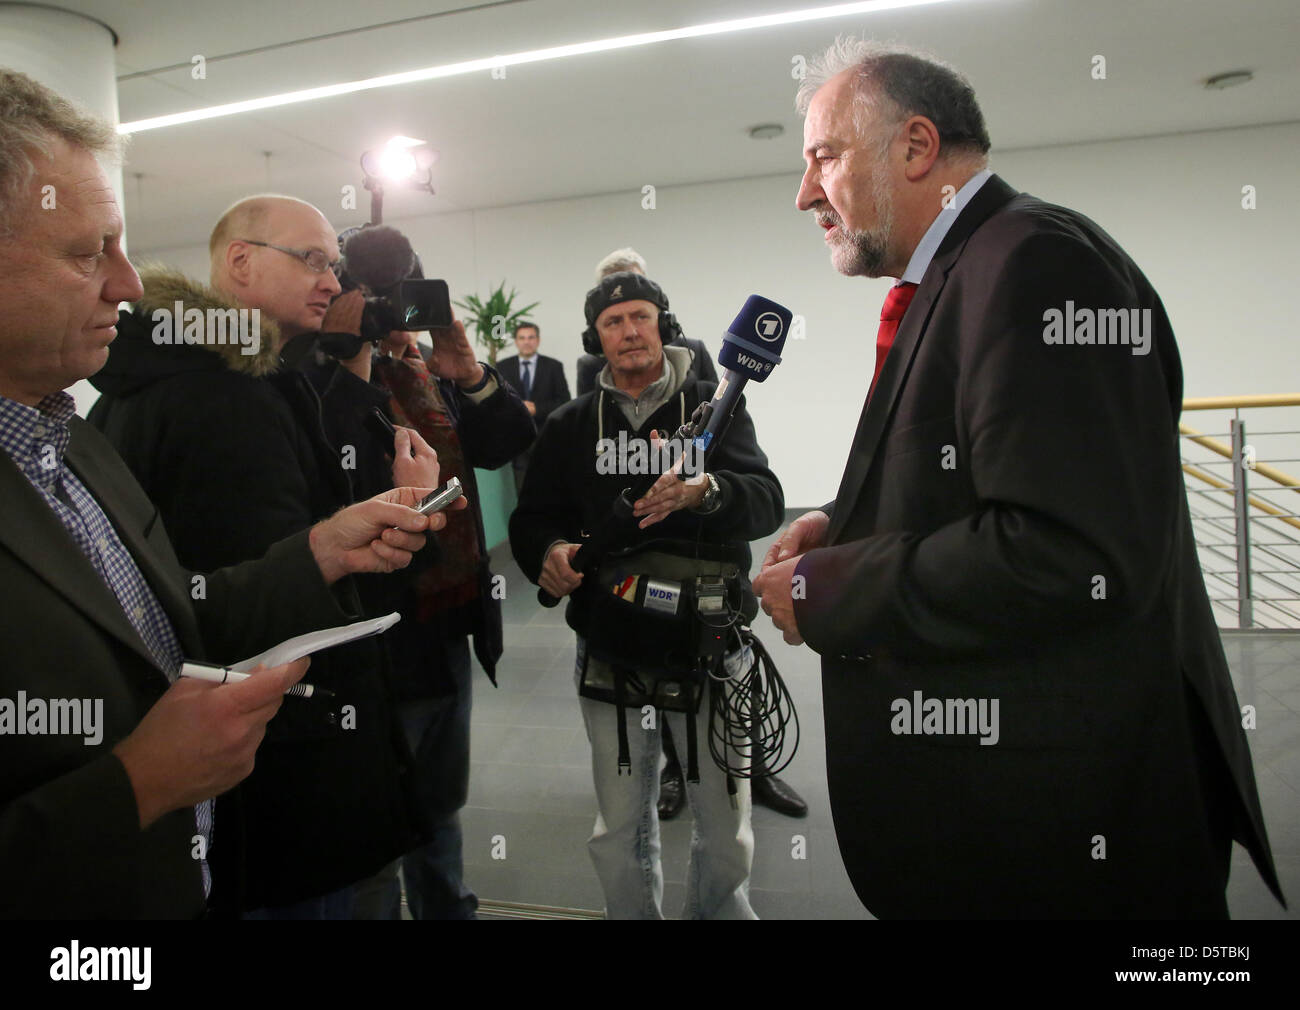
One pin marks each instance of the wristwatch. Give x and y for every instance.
(712, 497)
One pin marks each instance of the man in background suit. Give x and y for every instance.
(105, 810)
(1028, 709)
(537, 379)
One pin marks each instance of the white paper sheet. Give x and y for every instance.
(304, 645)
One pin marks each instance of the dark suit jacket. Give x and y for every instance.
(993, 480)
(70, 841)
(550, 388)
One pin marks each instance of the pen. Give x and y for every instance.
(224, 675)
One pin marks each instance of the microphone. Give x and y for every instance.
(379, 257)
(751, 348)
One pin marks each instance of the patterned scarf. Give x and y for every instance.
(416, 402)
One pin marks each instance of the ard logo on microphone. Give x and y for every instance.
(768, 327)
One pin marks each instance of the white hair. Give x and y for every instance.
(626, 258)
(894, 82)
(32, 119)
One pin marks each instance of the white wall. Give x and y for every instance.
(1226, 274)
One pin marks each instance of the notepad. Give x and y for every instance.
(314, 641)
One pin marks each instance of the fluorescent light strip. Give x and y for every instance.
(515, 59)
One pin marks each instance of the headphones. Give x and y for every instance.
(626, 286)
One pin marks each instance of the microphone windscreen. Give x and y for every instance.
(378, 257)
(753, 342)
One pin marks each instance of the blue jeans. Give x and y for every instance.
(437, 730)
(624, 845)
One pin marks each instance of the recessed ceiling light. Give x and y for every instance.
(1229, 80)
(766, 131)
(516, 59)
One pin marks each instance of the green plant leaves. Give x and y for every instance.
(495, 319)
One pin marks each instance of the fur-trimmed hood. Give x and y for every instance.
(155, 339)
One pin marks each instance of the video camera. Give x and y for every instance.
(379, 261)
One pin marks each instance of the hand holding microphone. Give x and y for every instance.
(558, 578)
(668, 493)
(751, 348)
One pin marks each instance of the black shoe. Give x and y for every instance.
(774, 794)
(672, 792)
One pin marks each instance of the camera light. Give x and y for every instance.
(396, 163)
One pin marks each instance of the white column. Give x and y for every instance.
(73, 55)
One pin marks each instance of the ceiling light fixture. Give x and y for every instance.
(516, 59)
(766, 131)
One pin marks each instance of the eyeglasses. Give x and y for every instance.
(316, 260)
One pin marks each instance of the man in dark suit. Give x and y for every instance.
(109, 762)
(1028, 709)
(537, 379)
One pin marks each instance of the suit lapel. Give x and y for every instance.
(34, 535)
(876, 411)
(104, 483)
(509, 370)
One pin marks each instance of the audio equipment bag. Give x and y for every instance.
(659, 616)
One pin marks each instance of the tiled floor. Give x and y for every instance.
(530, 787)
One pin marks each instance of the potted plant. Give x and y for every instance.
(495, 319)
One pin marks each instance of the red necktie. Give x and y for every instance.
(896, 303)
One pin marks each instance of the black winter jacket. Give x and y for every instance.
(232, 450)
(492, 432)
(565, 498)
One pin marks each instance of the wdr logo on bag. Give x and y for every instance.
(662, 596)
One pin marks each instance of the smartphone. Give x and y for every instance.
(436, 501)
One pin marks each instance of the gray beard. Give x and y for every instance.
(861, 253)
(864, 253)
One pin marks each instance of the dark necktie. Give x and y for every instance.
(527, 380)
(896, 303)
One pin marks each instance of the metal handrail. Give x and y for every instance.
(1263, 506)
(1247, 510)
(1231, 402)
(1219, 522)
(1287, 607)
(1271, 472)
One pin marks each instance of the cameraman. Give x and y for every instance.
(472, 419)
(767, 790)
(644, 389)
(590, 365)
